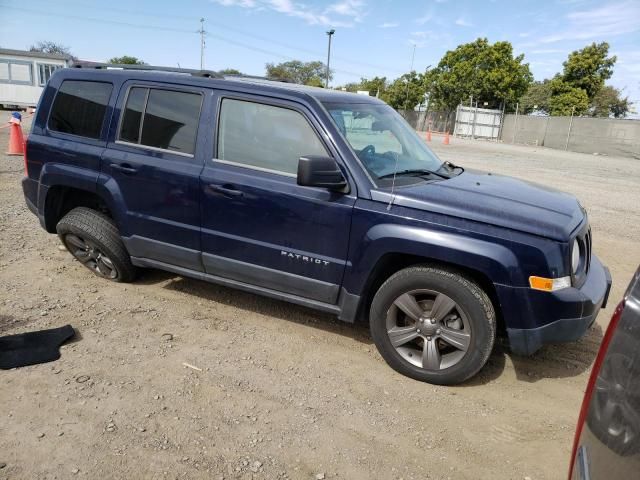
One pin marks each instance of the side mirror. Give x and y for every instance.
(318, 171)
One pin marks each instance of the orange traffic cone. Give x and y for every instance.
(429, 135)
(446, 139)
(16, 140)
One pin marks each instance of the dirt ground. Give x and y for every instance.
(283, 392)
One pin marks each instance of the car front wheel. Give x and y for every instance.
(433, 325)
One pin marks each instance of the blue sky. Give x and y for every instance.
(373, 37)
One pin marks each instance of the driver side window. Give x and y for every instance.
(265, 136)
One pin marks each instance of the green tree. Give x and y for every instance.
(537, 97)
(589, 68)
(489, 73)
(50, 47)
(351, 87)
(609, 102)
(375, 86)
(305, 73)
(229, 71)
(567, 99)
(405, 92)
(315, 82)
(126, 60)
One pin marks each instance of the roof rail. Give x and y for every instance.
(257, 77)
(151, 68)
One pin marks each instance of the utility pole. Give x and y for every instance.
(515, 124)
(413, 56)
(326, 76)
(566, 145)
(201, 32)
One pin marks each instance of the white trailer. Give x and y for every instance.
(24, 74)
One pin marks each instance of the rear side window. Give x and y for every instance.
(80, 107)
(265, 136)
(163, 119)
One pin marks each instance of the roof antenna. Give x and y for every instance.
(393, 183)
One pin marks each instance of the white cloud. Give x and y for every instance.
(389, 25)
(599, 23)
(348, 8)
(427, 17)
(237, 3)
(422, 38)
(343, 13)
(461, 22)
(547, 51)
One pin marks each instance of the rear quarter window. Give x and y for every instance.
(79, 108)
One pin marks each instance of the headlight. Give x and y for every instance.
(575, 257)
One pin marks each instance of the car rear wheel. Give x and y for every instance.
(93, 239)
(433, 325)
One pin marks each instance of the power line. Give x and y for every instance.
(99, 20)
(158, 27)
(219, 25)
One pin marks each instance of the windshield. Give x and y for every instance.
(383, 141)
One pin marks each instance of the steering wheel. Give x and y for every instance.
(368, 151)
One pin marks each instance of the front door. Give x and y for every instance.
(258, 225)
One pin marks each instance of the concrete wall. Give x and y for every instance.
(588, 135)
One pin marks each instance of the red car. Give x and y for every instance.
(607, 439)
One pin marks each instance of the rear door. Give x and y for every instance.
(154, 159)
(258, 225)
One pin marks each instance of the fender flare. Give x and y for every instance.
(91, 181)
(493, 260)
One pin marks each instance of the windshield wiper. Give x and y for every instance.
(415, 173)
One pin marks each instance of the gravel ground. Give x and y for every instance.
(280, 391)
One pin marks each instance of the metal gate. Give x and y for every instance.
(477, 122)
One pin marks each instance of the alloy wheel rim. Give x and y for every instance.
(90, 255)
(428, 329)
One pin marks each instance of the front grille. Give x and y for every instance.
(585, 242)
(587, 249)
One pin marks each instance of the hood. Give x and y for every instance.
(497, 200)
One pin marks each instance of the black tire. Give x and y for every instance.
(100, 235)
(477, 311)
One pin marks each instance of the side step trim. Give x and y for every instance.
(227, 282)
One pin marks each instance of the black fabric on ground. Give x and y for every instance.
(33, 347)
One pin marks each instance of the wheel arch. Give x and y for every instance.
(392, 262)
(391, 247)
(61, 199)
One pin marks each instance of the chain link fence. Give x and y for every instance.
(438, 122)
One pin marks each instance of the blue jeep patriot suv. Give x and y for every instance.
(317, 197)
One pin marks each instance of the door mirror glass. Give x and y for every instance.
(320, 171)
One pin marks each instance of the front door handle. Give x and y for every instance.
(125, 168)
(226, 190)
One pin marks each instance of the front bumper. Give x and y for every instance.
(568, 313)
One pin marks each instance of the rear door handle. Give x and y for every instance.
(125, 168)
(226, 190)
